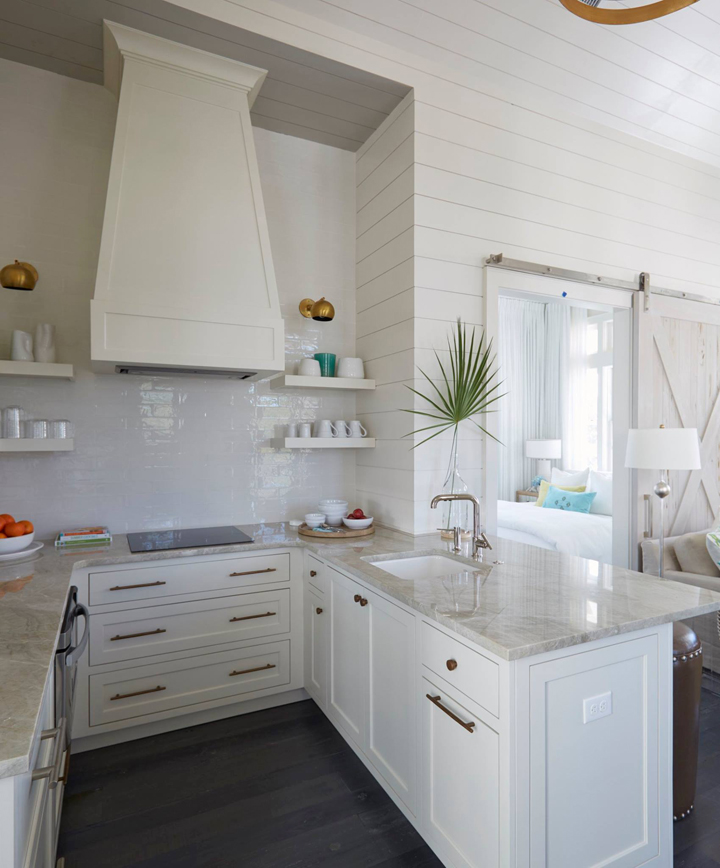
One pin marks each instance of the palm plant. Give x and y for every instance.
(468, 387)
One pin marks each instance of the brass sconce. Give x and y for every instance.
(320, 310)
(19, 275)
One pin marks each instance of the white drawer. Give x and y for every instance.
(173, 577)
(145, 690)
(469, 671)
(135, 633)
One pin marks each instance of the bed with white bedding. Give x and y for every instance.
(588, 535)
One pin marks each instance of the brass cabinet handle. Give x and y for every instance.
(470, 727)
(255, 669)
(363, 601)
(255, 572)
(451, 664)
(252, 617)
(318, 611)
(357, 598)
(132, 587)
(313, 573)
(137, 635)
(137, 693)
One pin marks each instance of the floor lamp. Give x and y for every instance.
(663, 449)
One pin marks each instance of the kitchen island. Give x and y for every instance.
(518, 710)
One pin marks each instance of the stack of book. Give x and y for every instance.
(83, 536)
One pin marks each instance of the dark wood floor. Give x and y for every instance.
(279, 789)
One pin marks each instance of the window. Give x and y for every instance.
(599, 390)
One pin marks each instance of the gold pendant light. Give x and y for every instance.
(590, 11)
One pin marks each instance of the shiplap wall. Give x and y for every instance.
(497, 167)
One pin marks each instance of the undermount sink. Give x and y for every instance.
(423, 567)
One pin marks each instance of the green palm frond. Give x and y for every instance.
(469, 385)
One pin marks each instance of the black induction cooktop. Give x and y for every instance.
(186, 538)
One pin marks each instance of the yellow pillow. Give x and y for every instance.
(545, 487)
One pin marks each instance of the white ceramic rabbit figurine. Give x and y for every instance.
(22, 347)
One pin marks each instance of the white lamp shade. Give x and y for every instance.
(543, 448)
(663, 449)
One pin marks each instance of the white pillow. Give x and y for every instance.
(601, 482)
(572, 478)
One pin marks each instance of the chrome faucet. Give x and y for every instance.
(479, 540)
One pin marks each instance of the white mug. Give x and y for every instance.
(309, 368)
(342, 428)
(325, 428)
(304, 429)
(292, 430)
(351, 368)
(356, 429)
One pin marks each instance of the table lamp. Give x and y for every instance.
(662, 449)
(544, 451)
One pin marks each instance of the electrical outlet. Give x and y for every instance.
(597, 707)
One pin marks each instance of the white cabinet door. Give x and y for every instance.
(391, 719)
(348, 656)
(460, 780)
(316, 651)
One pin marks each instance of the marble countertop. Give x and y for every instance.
(518, 602)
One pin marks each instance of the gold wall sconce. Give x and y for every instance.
(19, 275)
(320, 310)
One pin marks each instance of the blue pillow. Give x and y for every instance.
(571, 501)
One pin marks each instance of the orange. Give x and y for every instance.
(14, 528)
(3, 536)
(5, 518)
(28, 525)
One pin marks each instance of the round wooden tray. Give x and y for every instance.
(343, 533)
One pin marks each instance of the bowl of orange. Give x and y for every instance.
(14, 535)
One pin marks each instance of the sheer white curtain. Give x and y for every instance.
(533, 355)
(575, 411)
(520, 412)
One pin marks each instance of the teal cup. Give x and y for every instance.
(327, 364)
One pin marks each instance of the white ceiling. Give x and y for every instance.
(659, 80)
(303, 95)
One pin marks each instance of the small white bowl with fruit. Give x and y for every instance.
(357, 520)
(14, 535)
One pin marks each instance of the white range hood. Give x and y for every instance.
(185, 280)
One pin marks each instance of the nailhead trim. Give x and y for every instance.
(686, 814)
(686, 657)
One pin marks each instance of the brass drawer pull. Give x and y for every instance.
(363, 601)
(357, 598)
(451, 664)
(137, 635)
(137, 693)
(255, 669)
(318, 611)
(256, 572)
(132, 587)
(313, 573)
(252, 617)
(470, 727)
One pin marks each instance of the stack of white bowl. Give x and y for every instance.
(334, 511)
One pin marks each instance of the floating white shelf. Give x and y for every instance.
(24, 444)
(295, 381)
(36, 369)
(324, 443)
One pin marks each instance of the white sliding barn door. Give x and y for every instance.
(678, 385)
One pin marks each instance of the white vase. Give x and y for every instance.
(22, 347)
(44, 342)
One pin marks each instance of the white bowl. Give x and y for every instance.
(333, 505)
(334, 520)
(314, 518)
(16, 543)
(357, 523)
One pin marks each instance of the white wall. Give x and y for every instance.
(163, 451)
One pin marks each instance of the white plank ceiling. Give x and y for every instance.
(659, 80)
(303, 95)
